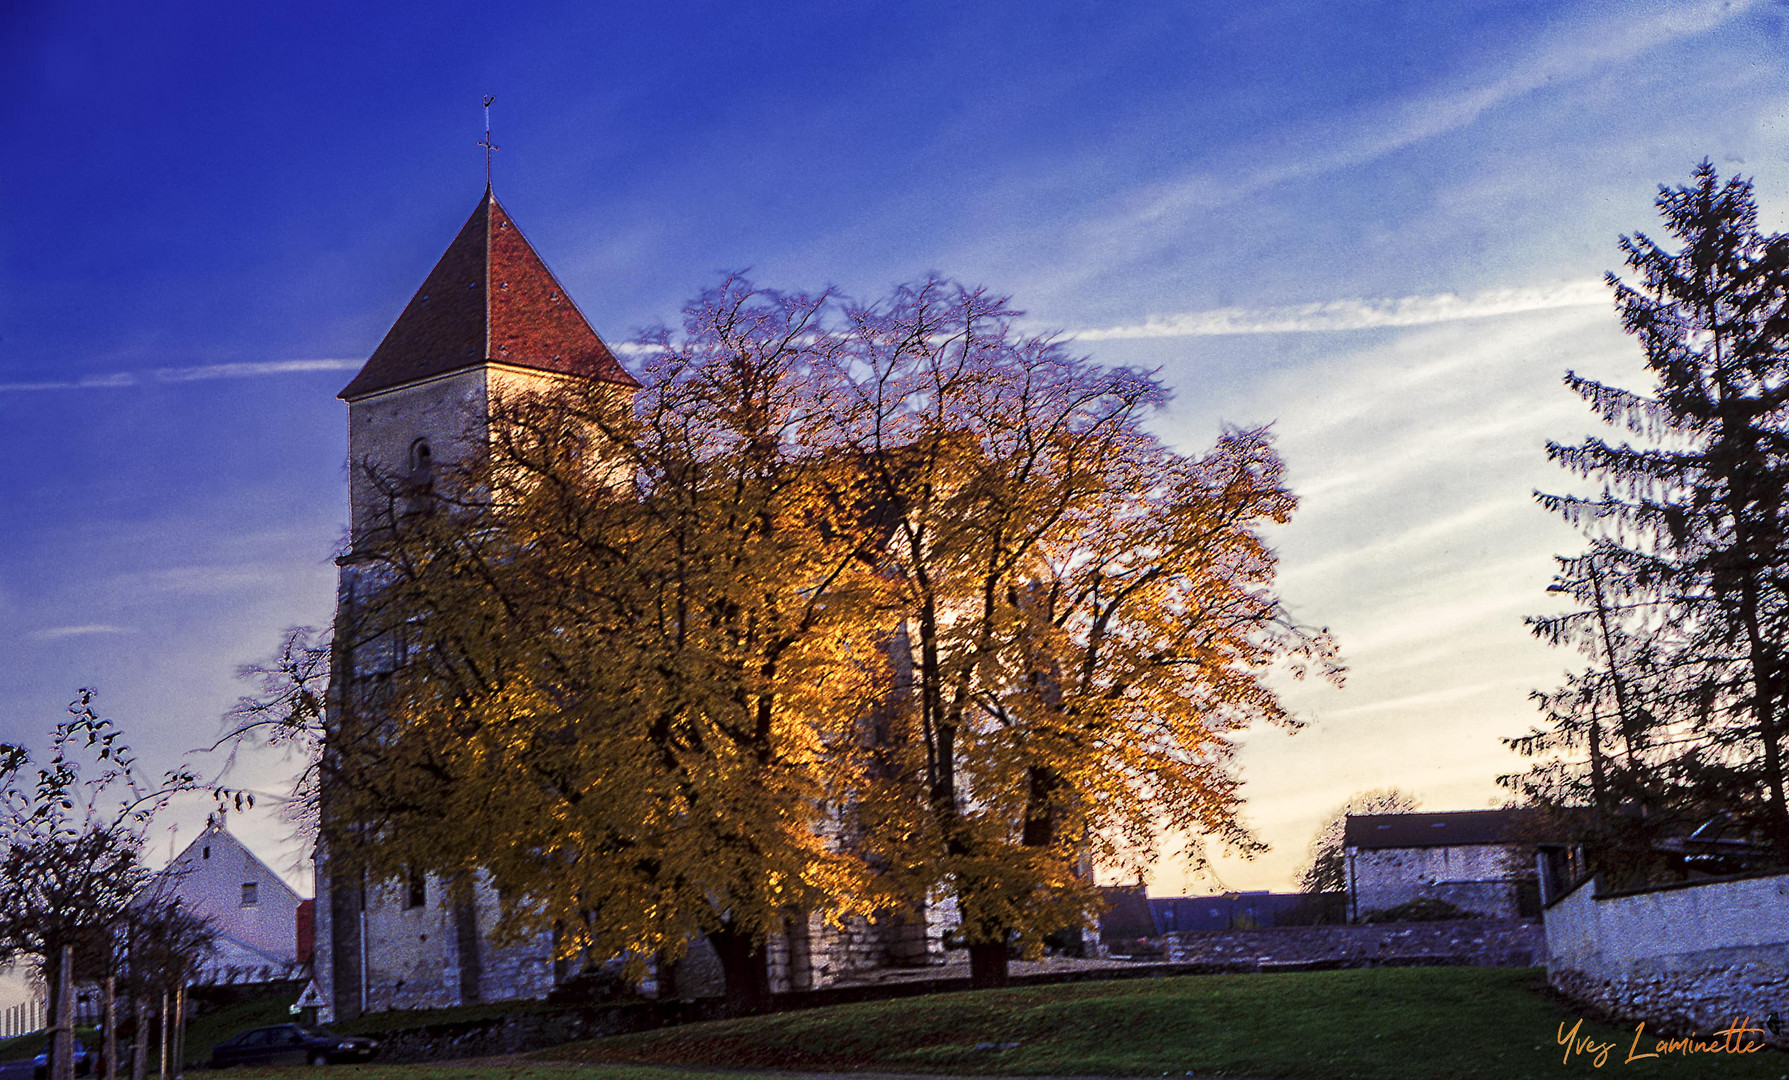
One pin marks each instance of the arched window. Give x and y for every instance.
(422, 459)
(419, 485)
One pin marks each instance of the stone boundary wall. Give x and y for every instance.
(1687, 959)
(1720, 922)
(1685, 1003)
(1464, 942)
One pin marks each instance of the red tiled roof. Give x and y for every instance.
(489, 298)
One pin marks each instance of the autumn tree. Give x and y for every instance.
(849, 606)
(1326, 868)
(1680, 601)
(1090, 613)
(624, 653)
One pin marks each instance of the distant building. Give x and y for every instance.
(1127, 918)
(253, 910)
(1476, 860)
(1242, 910)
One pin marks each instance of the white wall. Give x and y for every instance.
(1715, 924)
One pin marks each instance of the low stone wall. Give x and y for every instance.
(520, 1032)
(1688, 959)
(1465, 942)
(1688, 1003)
(1691, 926)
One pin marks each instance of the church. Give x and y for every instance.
(491, 320)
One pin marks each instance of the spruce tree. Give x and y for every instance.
(1684, 593)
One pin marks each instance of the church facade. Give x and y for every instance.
(489, 320)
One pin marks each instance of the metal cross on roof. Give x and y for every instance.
(486, 141)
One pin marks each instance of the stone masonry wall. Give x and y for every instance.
(1477, 878)
(1472, 942)
(1687, 1003)
(1687, 959)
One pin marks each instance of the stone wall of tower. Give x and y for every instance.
(423, 956)
(383, 430)
(390, 956)
(812, 953)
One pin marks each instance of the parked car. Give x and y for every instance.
(84, 1058)
(291, 1044)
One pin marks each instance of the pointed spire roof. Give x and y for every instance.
(489, 300)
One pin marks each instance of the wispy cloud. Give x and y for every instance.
(57, 633)
(123, 379)
(200, 579)
(1616, 39)
(1334, 315)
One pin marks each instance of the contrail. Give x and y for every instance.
(1334, 315)
(199, 373)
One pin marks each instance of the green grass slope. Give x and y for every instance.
(1384, 1024)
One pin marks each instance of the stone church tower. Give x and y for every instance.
(490, 319)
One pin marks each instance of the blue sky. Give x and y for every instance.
(1379, 226)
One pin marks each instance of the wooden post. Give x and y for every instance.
(111, 1027)
(164, 1034)
(139, 1043)
(180, 1028)
(64, 1064)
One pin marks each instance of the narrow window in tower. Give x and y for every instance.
(420, 483)
(417, 893)
(422, 459)
(251, 893)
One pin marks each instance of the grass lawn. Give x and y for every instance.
(22, 1047)
(521, 1071)
(26, 1047)
(1446, 1023)
(1404, 1023)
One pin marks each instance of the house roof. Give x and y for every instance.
(1127, 912)
(490, 299)
(217, 832)
(1459, 828)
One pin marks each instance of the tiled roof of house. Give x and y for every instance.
(1457, 828)
(490, 298)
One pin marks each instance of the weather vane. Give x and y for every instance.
(486, 141)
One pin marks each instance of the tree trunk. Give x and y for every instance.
(111, 1050)
(745, 964)
(987, 965)
(139, 1040)
(62, 1065)
(180, 1029)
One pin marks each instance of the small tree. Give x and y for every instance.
(160, 944)
(72, 831)
(1326, 868)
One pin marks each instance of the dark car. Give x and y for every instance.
(290, 1044)
(40, 1065)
